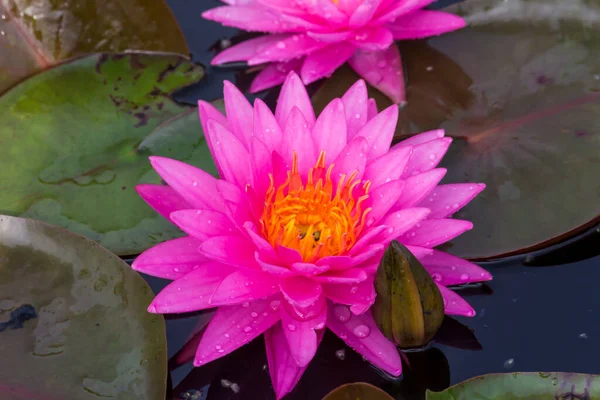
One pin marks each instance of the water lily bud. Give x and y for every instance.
(409, 308)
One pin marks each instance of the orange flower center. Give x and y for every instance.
(315, 218)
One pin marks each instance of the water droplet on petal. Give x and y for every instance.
(246, 304)
(227, 335)
(175, 269)
(361, 331)
(275, 305)
(247, 329)
(194, 184)
(253, 314)
(291, 327)
(341, 312)
(464, 277)
(218, 347)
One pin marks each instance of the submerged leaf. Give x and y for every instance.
(358, 391)
(81, 330)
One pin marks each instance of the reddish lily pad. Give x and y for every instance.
(75, 141)
(519, 90)
(358, 391)
(523, 386)
(36, 34)
(88, 334)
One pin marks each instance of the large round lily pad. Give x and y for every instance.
(74, 143)
(36, 34)
(523, 386)
(357, 391)
(92, 337)
(519, 90)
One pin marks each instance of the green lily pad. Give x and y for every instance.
(36, 34)
(75, 141)
(519, 90)
(92, 337)
(523, 386)
(357, 391)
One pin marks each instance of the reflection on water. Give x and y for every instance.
(528, 319)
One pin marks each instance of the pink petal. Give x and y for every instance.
(293, 94)
(373, 39)
(382, 199)
(194, 185)
(207, 111)
(261, 244)
(188, 350)
(366, 237)
(327, 132)
(445, 200)
(422, 138)
(348, 6)
(371, 109)
(203, 224)
(337, 263)
(232, 250)
(245, 285)
(325, 10)
(233, 327)
(363, 13)
(239, 113)
(246, 49)
(418, 187)
(191, 292)
(379, 132)
(330, 37)
(425, 23)
(383, 70)
(285, 372)
(171, 259)
(400, 222)
(300, 291)
(236, 202)
(352, 158)
(301, 336)
(297, 138)
(266, 127)
(262, 165)
(287, 49)
(352, 275)
(372, 251)
(419, 252)
(271, 268)
(355, 106)
(426, 156)
(274, 74)
(163, 199)
(254, 19)
(323, 62)
(288, 256)
(230, 154)
(401, 8)
(374, 346)
(448, 270)
(433, 232)
(359, 296)
(387, 167)
(309, 269)
(454, 304)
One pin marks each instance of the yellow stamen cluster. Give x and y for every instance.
(314, 218)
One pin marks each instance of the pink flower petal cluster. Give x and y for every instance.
(315, 37)
(287, 242)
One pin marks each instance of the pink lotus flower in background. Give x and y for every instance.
(287, 242)
(316, 37)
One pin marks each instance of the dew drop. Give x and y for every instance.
(275, 305)
(432, 157)
(218, 347)
(227, 335)
(464, 277)
(361, 331)
(291, 327)
(341, 312)
(194, 184)
(354, 289)
(175, 269)
(247, 329)
(246, 304)
(320, 326)
(357, 116)
(455, 206)
(253, 314)
(280, 45)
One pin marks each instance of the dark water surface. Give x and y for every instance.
(529, 318)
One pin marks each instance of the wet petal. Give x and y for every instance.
(297, 138)
(246, 49)
(233, 327)
(194, 185)
(293, 94)
(301, 336)
(425, 23)
(400, 222)
(383, 70)
(328, 128)
(448, 270)
(400, 8)
(219, 248)
(266, 127)
(163, 199)
(274, 74)
(355, 107)
(352, 158)
(388, 166)
(245, 285)
(433, 232)
(359, 296)
(422, 138)
(287, 49)
(382, 199)
(352, 275)
(300, 291)
(171, 259)
(255, 19)
(239, 113)
(272, 268)
(445, 200)
(418, 187)
(323, 62)
(361, 333)
(230, 153)
(373, 39)
(371, 109)
(426, 156)
(191, 292)
(309, 269)
(363, 13)
(379, 132)
(203, 224)
(454, 304)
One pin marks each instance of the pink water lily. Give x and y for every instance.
(316, 37)
(287, 242)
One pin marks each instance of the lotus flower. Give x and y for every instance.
(315, 37)
(287, 242)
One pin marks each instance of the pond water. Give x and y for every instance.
(539, 313)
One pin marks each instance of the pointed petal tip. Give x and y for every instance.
(152, 309)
